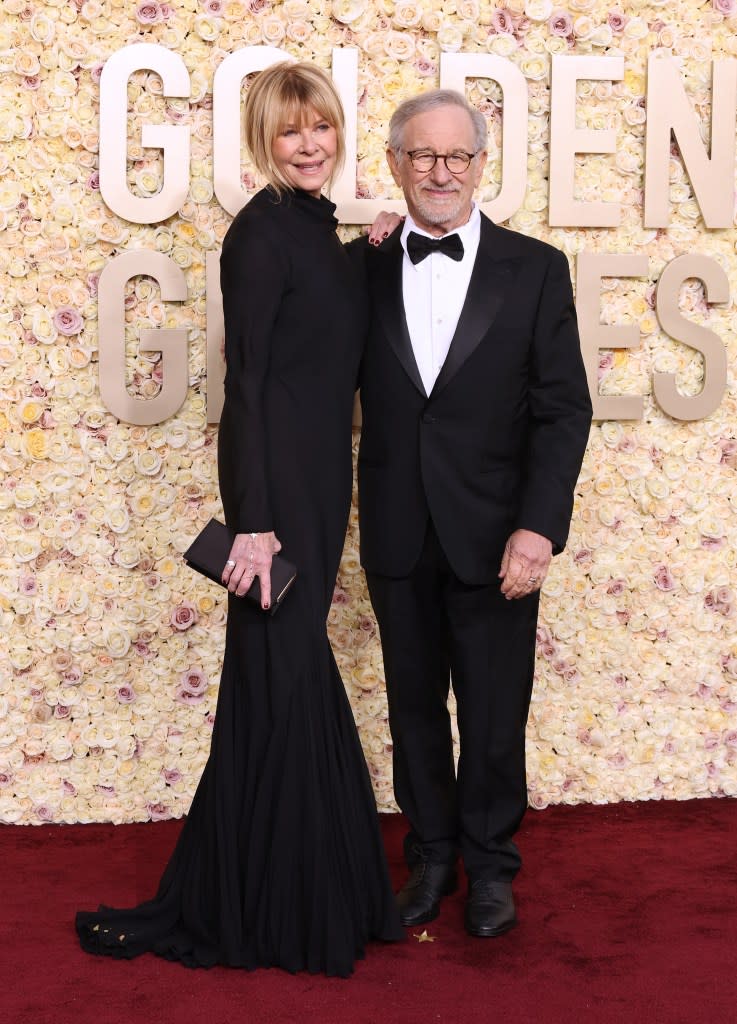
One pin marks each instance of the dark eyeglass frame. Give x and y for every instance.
(415, 154)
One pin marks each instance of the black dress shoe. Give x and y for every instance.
(419, 898)
(490, 908)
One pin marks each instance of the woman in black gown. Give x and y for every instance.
(280, 861)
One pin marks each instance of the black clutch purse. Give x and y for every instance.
(210, 550)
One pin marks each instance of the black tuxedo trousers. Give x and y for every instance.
(444, 479)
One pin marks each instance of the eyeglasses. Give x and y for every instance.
(424, 160)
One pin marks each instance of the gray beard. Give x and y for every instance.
(434, 216)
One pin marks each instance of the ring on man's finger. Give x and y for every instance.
(532, 580)
(230, 562)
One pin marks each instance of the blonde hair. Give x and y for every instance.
(282, 94)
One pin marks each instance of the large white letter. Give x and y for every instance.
(566, 140)
(709, 344)
(226, 120)
(455, 68)
(351, 209)
(669, 110)
(215, 339)
(172, 139)
(591, 267)
(171, 342)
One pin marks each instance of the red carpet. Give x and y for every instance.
(627, 914)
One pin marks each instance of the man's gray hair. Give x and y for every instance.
(431, 101)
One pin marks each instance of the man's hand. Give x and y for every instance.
(251, 556)
(525, 563)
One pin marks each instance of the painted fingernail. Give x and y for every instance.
(385, 235)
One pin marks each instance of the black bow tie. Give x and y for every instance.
(420, 246)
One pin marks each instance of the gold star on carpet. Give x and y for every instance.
(424, 937)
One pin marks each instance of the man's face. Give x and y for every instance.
(438, 200)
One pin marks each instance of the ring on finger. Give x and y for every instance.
(230, 563)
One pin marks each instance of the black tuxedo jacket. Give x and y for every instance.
(498, 443)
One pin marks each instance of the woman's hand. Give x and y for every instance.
(250, 556)
(383, 226)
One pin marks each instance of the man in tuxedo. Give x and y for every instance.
(475, 417)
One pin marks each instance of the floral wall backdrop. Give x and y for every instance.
(109, 647)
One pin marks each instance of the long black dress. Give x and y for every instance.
(280, 861)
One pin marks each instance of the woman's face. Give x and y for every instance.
(304, 151)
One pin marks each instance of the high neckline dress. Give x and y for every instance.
(280, 861)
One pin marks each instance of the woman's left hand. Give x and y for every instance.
(250, 556)
(383, 226)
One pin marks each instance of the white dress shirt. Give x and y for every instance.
(434, 291)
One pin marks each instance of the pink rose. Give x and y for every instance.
(184, 616)
(68, 788)
(62, 711)
(192, 687)
(158, 812)
(502, 21)
(194, 680)
(126, 694)
(663, 578)
(727, 8)
(171, 775)
(149, 13)
(43, 812)
(560, 23)
(28, 586)
(68, 321)
(214, 7)
(617, 20)
(425, 68)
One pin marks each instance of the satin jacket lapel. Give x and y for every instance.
(390, 306)
(490, 280)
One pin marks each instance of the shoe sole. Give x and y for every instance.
(412, 922)
(491, 933)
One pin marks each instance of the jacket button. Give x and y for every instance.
(427, 418)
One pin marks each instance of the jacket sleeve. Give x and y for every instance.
(559, 408)
(253, 280)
